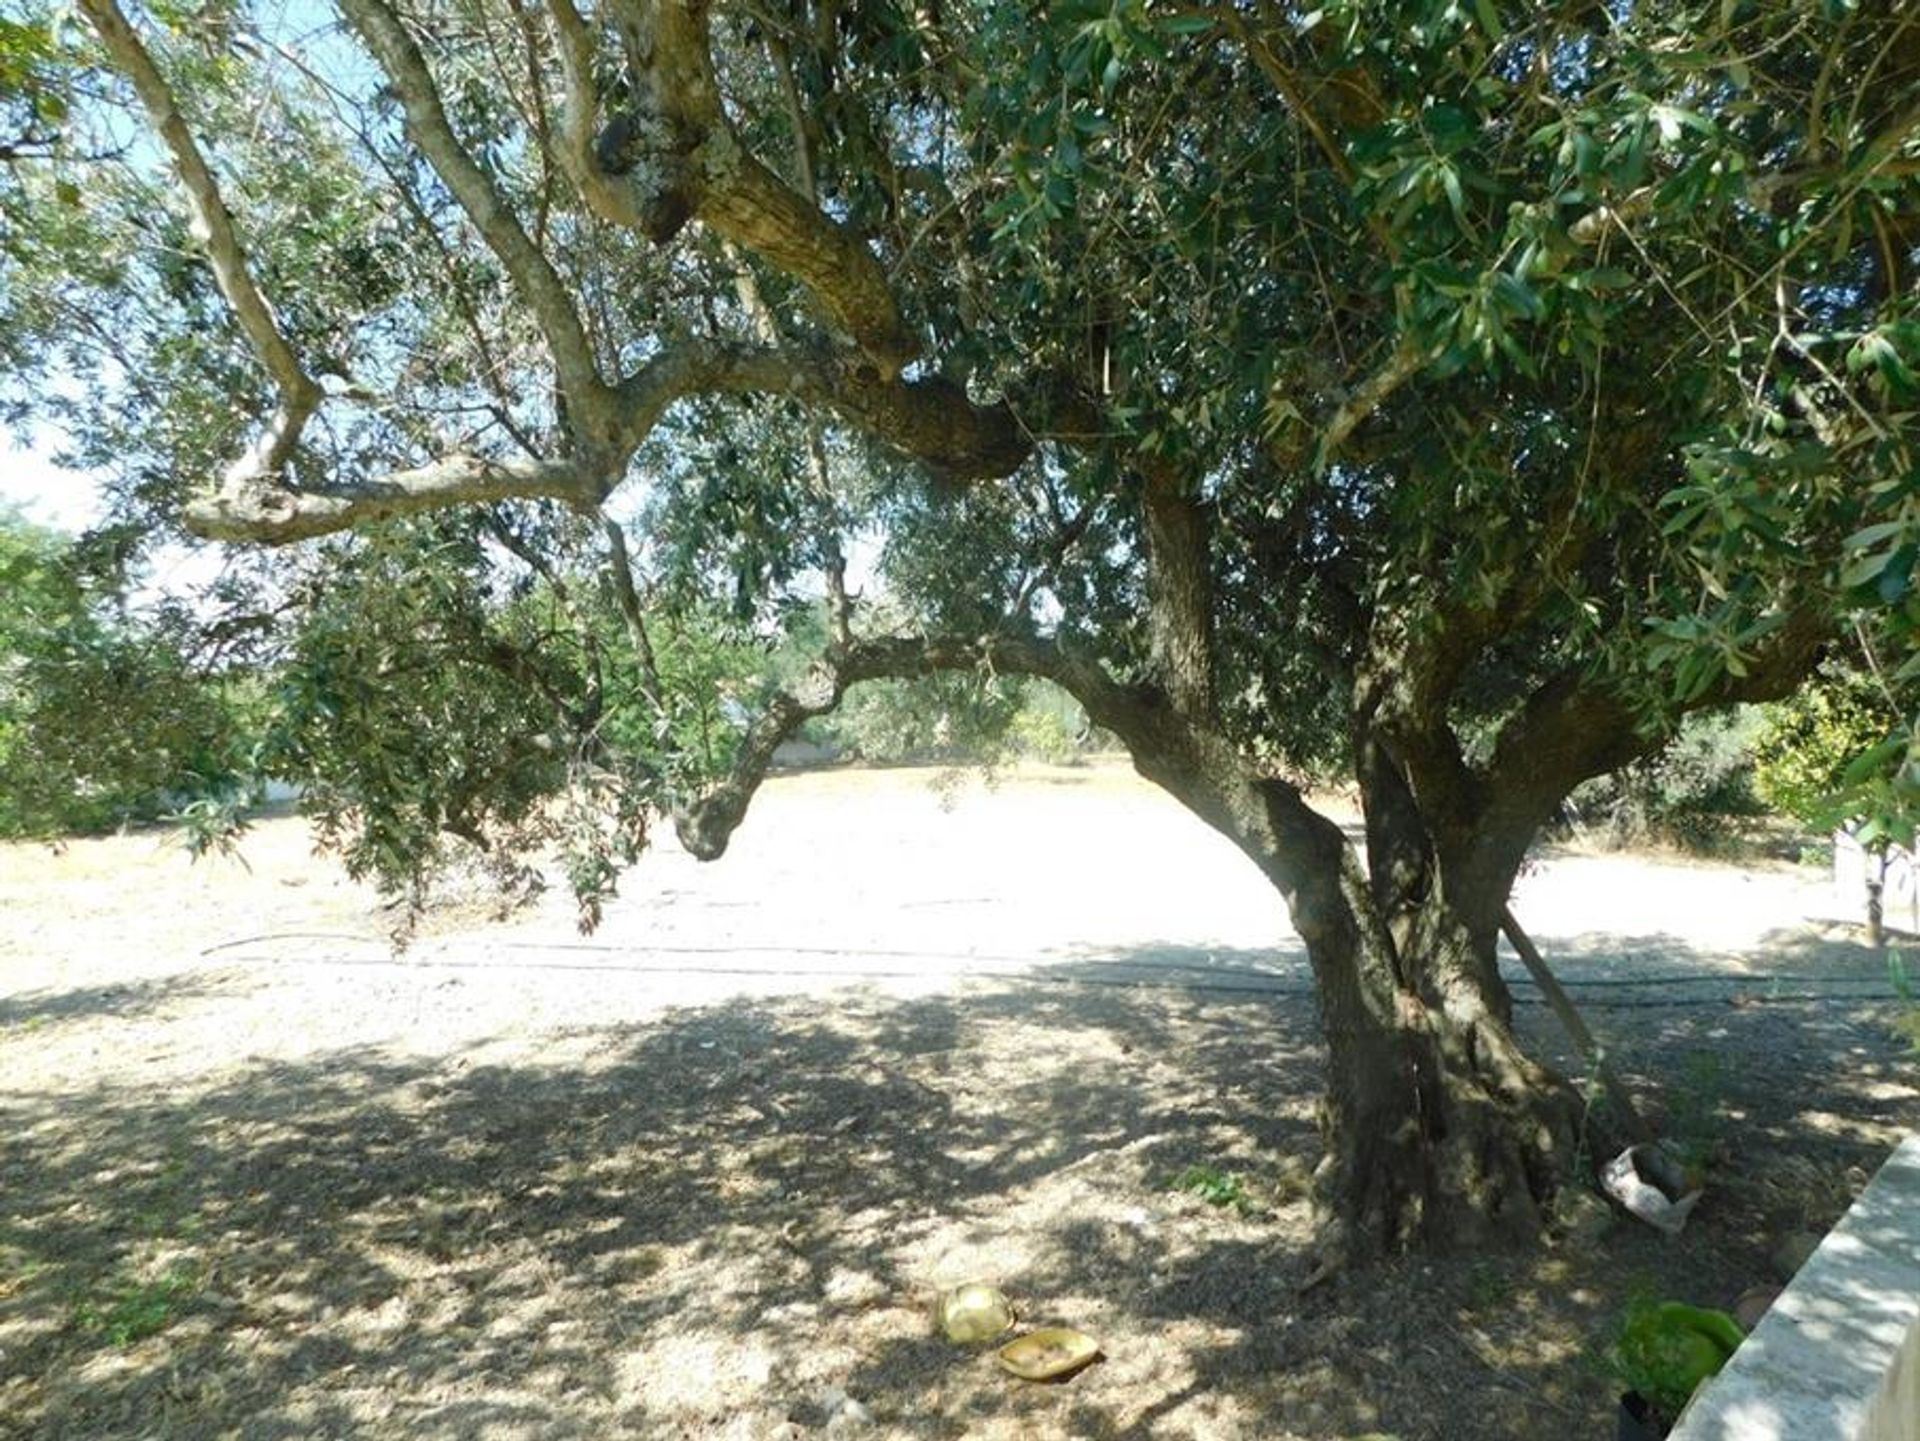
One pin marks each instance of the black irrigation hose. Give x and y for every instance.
(1273, 987)
(1683, 978)
(1701, 1002)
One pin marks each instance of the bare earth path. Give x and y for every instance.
(703, 1174)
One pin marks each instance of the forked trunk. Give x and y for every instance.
(1441, 1131)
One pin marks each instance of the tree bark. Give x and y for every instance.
(1180, 592)
(1440, 1130)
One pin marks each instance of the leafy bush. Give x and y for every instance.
(957, 719)
(1667, 1350)
(1693, 793)
(1041, 733)
(1831, 755)
(103, 716)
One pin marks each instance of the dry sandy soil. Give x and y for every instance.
(704, 1174)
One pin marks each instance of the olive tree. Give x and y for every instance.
(1454, 394)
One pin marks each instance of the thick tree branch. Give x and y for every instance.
(261, 510)
(534, 277)
(706, 824)
(676, 155)
(213, 227)
(1399, 850)
(1574, 727)
(1266, 816)
(745, 202)
(1407, 681)
(931, 420)
(578, 116)
(1304, 854)
(627, 597)
(1366, 398)
(1180, 592)
(1400, 707)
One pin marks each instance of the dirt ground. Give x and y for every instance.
(705, 1173)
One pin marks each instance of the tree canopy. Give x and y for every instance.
(1450, 395)
(103, 716)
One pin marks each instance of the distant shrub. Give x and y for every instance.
(957, 719)
(1050, 726)
(1809, 743)
(1696, 793)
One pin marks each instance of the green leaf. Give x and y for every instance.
(1874, 534)
(1450, 182)
(1873, 760)
(1670, 120)
(1864, 568)
(1518, 296)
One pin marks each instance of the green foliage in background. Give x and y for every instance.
(1696, 793)
(958, 719)
(104, 717)
(1839, 754)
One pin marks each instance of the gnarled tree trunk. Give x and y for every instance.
(1440, 1130)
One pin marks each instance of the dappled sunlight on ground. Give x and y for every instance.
(705, 1175)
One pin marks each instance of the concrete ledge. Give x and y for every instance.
(1837, 1358)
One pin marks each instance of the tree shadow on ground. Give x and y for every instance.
(1815, 952)
(723, 1222)
(126, 1000)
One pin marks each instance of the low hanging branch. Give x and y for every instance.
(627, 597)
(706, 824)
